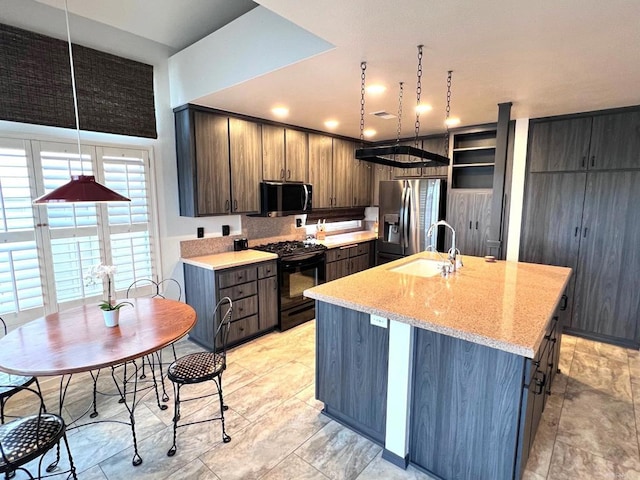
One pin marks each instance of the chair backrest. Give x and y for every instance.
(147, 287)
(4, 326)
(225, 307)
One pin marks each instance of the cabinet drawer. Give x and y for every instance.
(336, 254)
(267, 269)
(360, 249)
(242, 328)
(234, 277)
(239, 291)
(245, 307)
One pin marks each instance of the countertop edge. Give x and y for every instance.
(221, 261)
(425, 325)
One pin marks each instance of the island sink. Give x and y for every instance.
(421, 267)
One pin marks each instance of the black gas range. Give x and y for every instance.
(300, 266)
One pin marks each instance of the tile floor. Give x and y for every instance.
(588, 430)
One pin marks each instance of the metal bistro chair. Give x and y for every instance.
(156, 288)
(202, 367)
(155, 291)
(27, 438)
(7, 381)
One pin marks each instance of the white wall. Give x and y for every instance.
(40, 18)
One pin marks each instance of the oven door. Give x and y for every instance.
(296, 275)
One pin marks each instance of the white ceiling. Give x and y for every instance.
(547, 57)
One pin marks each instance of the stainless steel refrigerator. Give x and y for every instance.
(406, 210)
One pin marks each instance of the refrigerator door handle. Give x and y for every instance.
(403, 206)
(405, 220)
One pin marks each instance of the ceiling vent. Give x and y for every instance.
(383, 114)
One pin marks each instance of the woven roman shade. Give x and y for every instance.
(115, 94)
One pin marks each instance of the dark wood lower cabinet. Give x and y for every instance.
(351, 371)
(608, 281)
(268, 298)
(343, 261)
(253, 290)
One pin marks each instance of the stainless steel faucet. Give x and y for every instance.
(453, 252)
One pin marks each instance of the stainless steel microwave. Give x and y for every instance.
(278, 199)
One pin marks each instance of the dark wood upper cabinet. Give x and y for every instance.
(615, 141)
(320, 169)
(273, 168)
(285, 154)
(202, 147)
(297, 156)
(344, 164)
(245, 151)
(596, 142)
(559, 145)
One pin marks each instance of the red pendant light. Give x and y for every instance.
(81, 188)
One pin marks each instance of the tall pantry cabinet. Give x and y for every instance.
(582, 196)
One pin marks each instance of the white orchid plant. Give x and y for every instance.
(99, 273)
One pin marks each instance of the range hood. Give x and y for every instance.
(390, 155)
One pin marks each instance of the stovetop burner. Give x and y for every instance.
(283, 249)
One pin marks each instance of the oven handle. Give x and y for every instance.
(304, 260)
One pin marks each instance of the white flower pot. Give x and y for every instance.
(111, 317)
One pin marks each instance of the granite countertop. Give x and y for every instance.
(503, 305)
(342, 239)
(218, 261)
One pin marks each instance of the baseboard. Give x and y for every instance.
(397, 460)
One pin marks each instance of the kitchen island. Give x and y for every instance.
(448, 373)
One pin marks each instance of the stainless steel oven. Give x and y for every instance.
(298, 272)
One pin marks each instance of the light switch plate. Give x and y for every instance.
(379, 321)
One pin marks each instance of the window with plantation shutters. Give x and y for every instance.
(47, 250)
(20, 281)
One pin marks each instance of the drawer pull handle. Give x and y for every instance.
(565, 301)
(241, 329)
(240, 292)
(240, 309)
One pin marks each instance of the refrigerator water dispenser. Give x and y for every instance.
(392, 228)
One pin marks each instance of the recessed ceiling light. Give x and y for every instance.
(331, 123)
(452, 121)
(376, 89)
(369, 132)
(423, 108)
(280, 111)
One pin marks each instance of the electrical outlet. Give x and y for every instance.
(200, 233)
(378, 321)
(298, 222)
(225, 230)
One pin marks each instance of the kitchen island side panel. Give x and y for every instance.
(465, 412)
(352, 369)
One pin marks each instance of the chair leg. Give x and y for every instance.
(155, 382)
(72, 467)
(176, 417)
(225, 438)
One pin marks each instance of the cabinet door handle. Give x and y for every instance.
(355, 202)
(576, 232)
(282, 173)
(470, 224)
(584, 235)
(288, 174)
(226, 206)
(593, 160)
(275, 284)
(235, 205)
(584, 159)
(476, 225)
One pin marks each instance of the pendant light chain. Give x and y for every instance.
(400, 110)
(447, 113)
(363, 68)
(418, 92)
